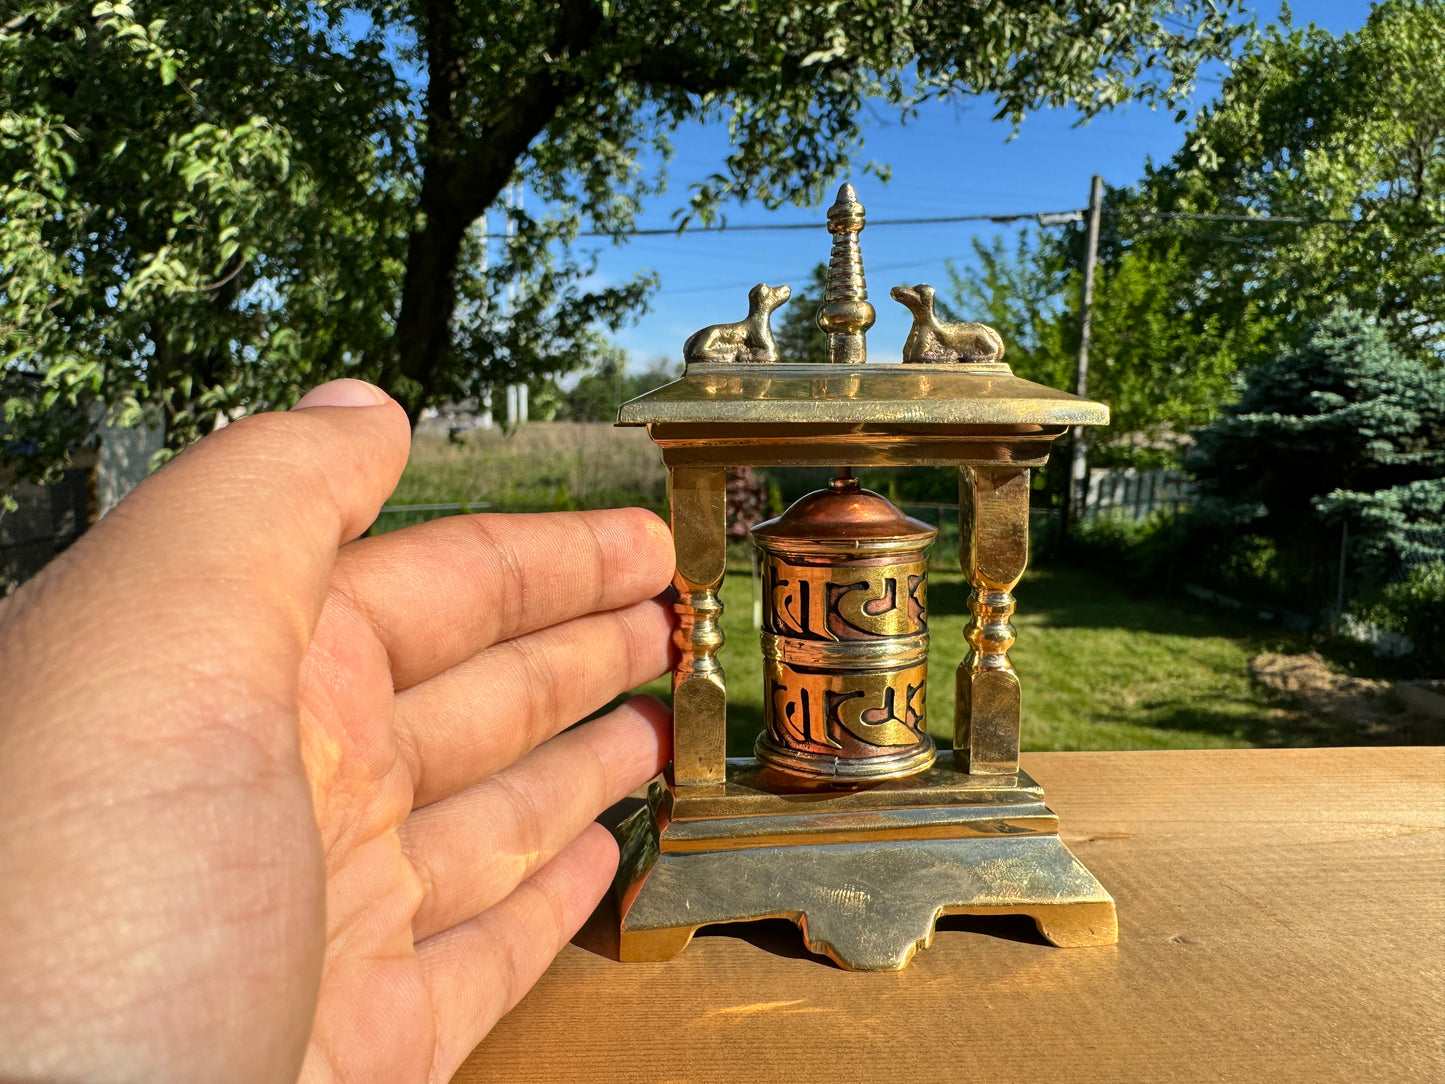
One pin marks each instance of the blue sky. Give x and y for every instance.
(951, 160)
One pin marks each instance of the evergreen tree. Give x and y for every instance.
(797, 333)
(1345, 426)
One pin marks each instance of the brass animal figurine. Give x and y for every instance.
(931, 341)
(749, 340)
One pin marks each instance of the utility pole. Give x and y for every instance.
(1078, 491)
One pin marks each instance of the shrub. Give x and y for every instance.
(1415, 607)
(1143, 552)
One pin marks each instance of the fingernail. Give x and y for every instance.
(344, 392)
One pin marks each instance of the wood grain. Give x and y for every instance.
(1282, 917)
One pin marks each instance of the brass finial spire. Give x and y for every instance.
(846, 314)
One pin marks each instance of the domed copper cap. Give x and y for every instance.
(843, 519)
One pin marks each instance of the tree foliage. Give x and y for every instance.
(1415, 607)
(1161, 373)
(797, 334)
(1345, 136)
(177, 233)
(204, 206)
(598, 394)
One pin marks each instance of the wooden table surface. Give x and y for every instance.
(1281, 915)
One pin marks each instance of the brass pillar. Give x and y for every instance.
(698, 496)
(993, 512)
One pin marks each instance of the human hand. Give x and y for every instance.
(273, 801)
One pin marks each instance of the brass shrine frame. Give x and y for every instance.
(865, 871)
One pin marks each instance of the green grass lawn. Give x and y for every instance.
(1099, 670)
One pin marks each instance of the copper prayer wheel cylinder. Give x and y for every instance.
(845, 638)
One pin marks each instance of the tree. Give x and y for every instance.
(178, 236)
(1161, 373)
(205, 206)
(1344, 138)
(798, 336)
(1346, 426)
(596, 397)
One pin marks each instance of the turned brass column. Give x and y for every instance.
(699, 695)
(993, 514)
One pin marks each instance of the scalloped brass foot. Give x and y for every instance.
(1063, 925)
(870, 907)
(860, 894)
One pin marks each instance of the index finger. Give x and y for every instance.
(438, 593)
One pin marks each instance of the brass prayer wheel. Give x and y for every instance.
(845, 637)
(848, 820)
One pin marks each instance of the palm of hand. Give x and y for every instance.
(362, 794)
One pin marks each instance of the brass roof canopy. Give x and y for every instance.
(852, 826)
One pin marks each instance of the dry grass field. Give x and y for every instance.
(542, 467)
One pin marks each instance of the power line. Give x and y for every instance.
(1191, 217)
(760, 227)
(733, 285)
(1043, 218)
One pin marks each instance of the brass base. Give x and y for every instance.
(865, 874)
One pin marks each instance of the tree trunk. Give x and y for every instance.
(461, 177)
(429, 296)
